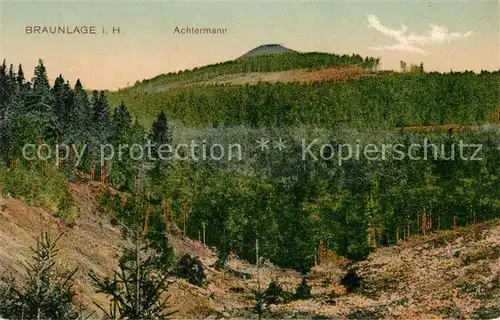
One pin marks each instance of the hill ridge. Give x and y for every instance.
(267, 49)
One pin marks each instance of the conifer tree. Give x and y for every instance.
(160, 134)
(160, 131)
(82, 113)
(63, 107)
(122, 121)
(40, 79)
(20, 76)
(100, 107)
(137, 289)
(124, 167)
(4, 89)
(47, 294)
(39, 105)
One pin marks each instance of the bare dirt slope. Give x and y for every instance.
(454, 274)
(92, 244)
(451, 274)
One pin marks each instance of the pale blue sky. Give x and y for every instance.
(147, 45)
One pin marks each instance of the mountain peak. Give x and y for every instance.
(267, 49)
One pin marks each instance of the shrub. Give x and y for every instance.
(42, 186)
(303, 291)
(259, 307)
(351, 281)
(191, 269)
(275, 294)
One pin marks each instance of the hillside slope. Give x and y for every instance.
(251, 78)
(449, 274)
(92, 244)
(265, 60)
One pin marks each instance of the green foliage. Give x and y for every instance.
(487, 313)
(9, 300)
(351, 281)
(291, 205)
(387, 100)
(191, 269)
(47, 294)
(274, 294)
(303, 291)
(362, 314)
(160, 134)
(43, 186)
(137, 290)
(259, 307)
(128, 211)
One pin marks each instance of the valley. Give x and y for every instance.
(447, 274)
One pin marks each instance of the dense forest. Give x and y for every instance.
(266, 63)
(295, 207)
(386, 101)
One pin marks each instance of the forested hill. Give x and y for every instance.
(291, 88)
(291, 204)
(270, 62)
(388, 100)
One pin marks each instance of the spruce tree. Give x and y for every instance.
(160, 134)
(4, 89)
(47, 294)
(160, 131)
(20, 76)
(122, 120)
(39, 106)
(60, 109)
(40, 79)
(124, 167)
(137, 290)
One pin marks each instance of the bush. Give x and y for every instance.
(275, 294)
(303, 291)
(260, 306)
(41, 186)
(351, 281)
(487, 313)
(191, 269)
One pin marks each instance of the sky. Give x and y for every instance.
(444, 35)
